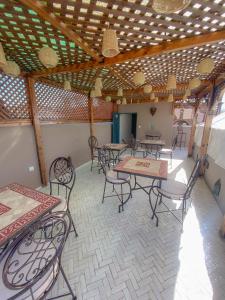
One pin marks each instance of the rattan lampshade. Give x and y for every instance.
(98, 83)
(92, 94)
(169, 6)
(98, 92)
(120, 92)
(110, 46)
(171, 83)
(152, 96)
(48, 57)
(205, 66)
(67, 85)
(188, 92)
(124, 100)
(147, 89)
(108, 99)
(139, 78)
(194, 83)
(11, 68)
(118, 101)
(2, 57)
(156, 100)
(170, 98)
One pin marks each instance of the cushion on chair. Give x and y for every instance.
(117, 178)
(173, 189)
(62, 206)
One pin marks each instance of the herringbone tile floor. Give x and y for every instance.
(124, 256)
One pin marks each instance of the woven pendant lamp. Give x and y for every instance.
(169, 6)
(170, 98)
(118, 102)
(110, 46)
(98, 92)
(3, 61)
(171, 83)
(139, 78)
(147, 89)
(188, 92)
(194, 83)
(11, 68)
(98, 83)
(92, 94)
(205, 66)
(48, 57)
(152, 96)
(67, 85)
(156, 100)
(124, 100)
(108, 99)
(120, 92)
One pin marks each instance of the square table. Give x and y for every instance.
(20, 207)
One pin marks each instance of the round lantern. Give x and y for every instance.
(170, 98)
(147, 89)
(67, 85)
(124, 101)
(110, 46)
(139, 78)
(156, 99)
(194, 83)
(118, 102)
(120, 92)
(205, 66)
(188, 92)
(48, 57)
(108, 99)
(171, 83)
(3, 61)
(169, 6)
(98, 83)
(11, 68)
(152, 96)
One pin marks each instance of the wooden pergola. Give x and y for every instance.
(157, 45)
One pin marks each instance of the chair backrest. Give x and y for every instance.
(62, 174)
(92, 142)
(34, 254)
(103, 158)
(193, 178)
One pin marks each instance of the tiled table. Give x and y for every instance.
(20, 207)
(143, 167)
(114, 149)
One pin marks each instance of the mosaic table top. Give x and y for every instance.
(116, 147)
(152, 168)
(20, 207)
(153, 142)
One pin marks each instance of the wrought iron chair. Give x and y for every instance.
(173, 190)
(62, 175)
(168, 151)
(93, 143)
(115, 179)
(135, 146)
(31, 265)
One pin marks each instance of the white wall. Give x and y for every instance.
(162, 121)
(125, 126)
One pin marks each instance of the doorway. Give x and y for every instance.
(124, 125)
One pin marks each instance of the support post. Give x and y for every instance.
(91, 115)
(193, 129)
(37, 129)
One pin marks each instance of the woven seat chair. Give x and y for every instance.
(173, 190)
(115, 179)
(93, 143)
(31, 265)
(135, 146)
(62, 175)
(168, 151)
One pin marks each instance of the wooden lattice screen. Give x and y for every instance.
(13, 98)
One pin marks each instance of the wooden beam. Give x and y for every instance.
(37, 129)
(150, 51)
(39, 8)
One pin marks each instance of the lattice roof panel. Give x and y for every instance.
(23, 33)
(136, 23)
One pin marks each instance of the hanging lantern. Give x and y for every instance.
(110, 46)
(92, 94)
(169, 6)
(156, 100)
(152, 96)
(118, 102)
(67, 85)
(147, 89)
(171, 83)
(194, 83)
(120, 92)
(170, 98)
(98, 83)
(188, 92)
(3, 61)
(98, 92)
(108, 99)
(205, 66)
(184, 97)
(124, 101)
(139, 78)
(48, 57)
(11, 68)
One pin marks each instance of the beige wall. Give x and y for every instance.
(18, 149)
(162, 120)
(17, 153)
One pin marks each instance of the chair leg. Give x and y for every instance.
(50, 188)
(121, 205)
(103, 196)
(91, 165)
(73, 225)
(67, 283)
